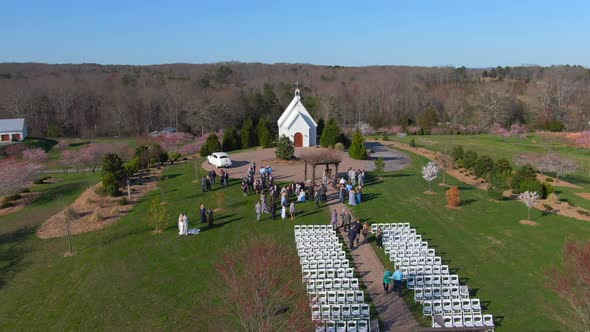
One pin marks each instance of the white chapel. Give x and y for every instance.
(297, 124)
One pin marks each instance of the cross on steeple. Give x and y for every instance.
(297, 84)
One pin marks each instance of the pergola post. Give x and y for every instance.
(305, 174)
(336, 169)
(313, 175)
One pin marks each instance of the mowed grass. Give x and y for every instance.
(502, 261)
(126, 278)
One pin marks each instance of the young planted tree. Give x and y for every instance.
(330, 134)
(430, 173)
(379, 166)
(453, 196)
(69, 216)
(446, 162)
(113, 174)
(529, 198)
(259, 292)
(285, 149)
(571, 281)
(36, 155)
(357, 149)
(157, 214)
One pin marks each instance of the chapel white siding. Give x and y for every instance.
(296, 119)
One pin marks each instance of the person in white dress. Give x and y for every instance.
(184, 225)
(180, 223)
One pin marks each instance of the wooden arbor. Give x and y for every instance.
(319, 158)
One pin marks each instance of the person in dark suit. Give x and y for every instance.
(203, 213)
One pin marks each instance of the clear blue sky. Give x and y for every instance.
(473, 33)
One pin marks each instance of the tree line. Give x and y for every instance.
(90, 100)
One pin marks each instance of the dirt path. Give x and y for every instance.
(393, 311)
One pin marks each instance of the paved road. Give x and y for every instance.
(394, 160)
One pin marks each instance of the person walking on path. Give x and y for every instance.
(358, 228)
(351, 236)
(273, 210)
(334, 220)
(379, 237)
(210, 218)
(366, 230)
(387, 280)
(346, 220)
(292, 210)
(341, 193)
(398, 276)
(317, 201)
(258, 209)
(203, 213)
(284, 210)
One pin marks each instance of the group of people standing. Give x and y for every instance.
(209, 180)
(251, 184)
(352, 188)
(206, 217)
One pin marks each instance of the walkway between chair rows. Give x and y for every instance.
(393, 311)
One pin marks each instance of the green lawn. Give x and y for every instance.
(124, 277)
(500, 259)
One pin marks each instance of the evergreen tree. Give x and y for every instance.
(211, 145)
(248, 134)
(264, 134)
(285, 148)
(231, 140)
(113, 173)
(320, 129)
(330, 134)
(357, 149)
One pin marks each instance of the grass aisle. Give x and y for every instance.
(500, 259)
(126, 278)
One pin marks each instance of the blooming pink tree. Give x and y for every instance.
(70, 159)
(583, 139)
(15, 175)
(91, 155)
(173, 141)
(36, 155)
(62, 144)
(413, 129)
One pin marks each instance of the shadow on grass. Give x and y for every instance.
(12, 252)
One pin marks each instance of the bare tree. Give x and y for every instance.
(492, 106)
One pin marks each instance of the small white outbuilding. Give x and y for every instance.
(297, 124)
(12, 130)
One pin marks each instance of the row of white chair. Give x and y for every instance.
(441, 292)
(390, 226)
(339, 311)
(328, 273)
(465, 320)
(316, 285)
(412, 253)
(324, 264)
(337, 297)
(312, 227)
(429, 280)
(323, 254)
(319, 245)
(343, 326)
(416, 261)
(416, 244)
(454, 306)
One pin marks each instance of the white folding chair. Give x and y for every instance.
(447, 307)
(321, 273)
(464, 291)
(410, 282)
(468, 320)
(349, 272)
(476, 306)
(359, 296)
(345, 311)
(437, 308)
(427, 308)
(477, 320)
(335, 311)
(316, 312)
(326, 312)
(363, 326)
(355, 311)
(365, 313)
(328, 284)
(427, 293)
(340, 326)
(457, 321)
(456, 306)
(322, 297)
(454, 279)
(447, 321)
(331, 297)
(345, 283)
(436, 293)
(428, 280)
(330, 326)
(351, 326)
(455, 292)
(444, 269)
(418, 295)
(310, 286)
(341, 297)
(354, 283)
(488, 320)
(336, 283)
(319, 285)
(466, 305)
(330, 273)
(320, 326)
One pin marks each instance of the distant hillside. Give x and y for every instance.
(99, 100)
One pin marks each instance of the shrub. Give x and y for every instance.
(530, 185)
(549, 180)
(457, 153)
(174, 156)
(385, 137)
(13, 197)
(553, 198)
(523, 173)
(547, 190)
(584, 213)
(357, 149)
(123, 201)
(379, 165)
(553, 125)
(453, 197)
(548, 207)
(412, 143)
(495, 193)
(285, 149)
(483, 166)
(6, 204)
(100, 191)
(469, 159)
(113, 173)
(38, 181)
(211, 145)
(339, 146)
(502, 167)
